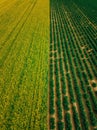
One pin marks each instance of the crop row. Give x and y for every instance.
(71, 70)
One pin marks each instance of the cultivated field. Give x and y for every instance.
(48, 65)
(24, 51)
(89, 8)
(73, 68)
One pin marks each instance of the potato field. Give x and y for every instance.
(73, 68)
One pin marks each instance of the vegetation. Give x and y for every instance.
(24, 50)
(73, 67)
(48, 64)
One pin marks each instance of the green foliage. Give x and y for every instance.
(60, 125)
(94, 84)
(76, 118)
(66, 103)
(52, 123)
(68, 125)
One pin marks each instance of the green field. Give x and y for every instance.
(73, 68)
(89, 8)
(48, 65)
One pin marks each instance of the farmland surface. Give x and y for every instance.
(48, 65)
(24, 48)
(73, 67)
(89, 8)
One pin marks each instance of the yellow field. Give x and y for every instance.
(24, 48)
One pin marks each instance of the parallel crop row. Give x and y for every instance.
(73, 86)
